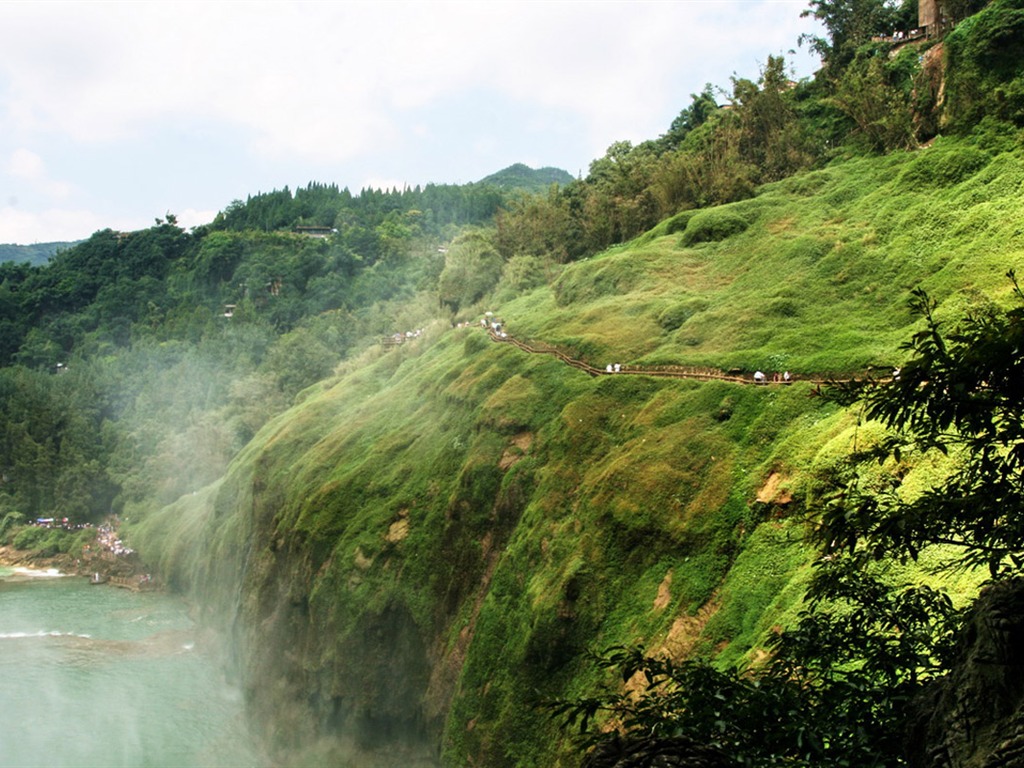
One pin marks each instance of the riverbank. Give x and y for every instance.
(20, 558)
(117, 570)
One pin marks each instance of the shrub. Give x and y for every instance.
(678, 223)
(520, 274)
(940, 167)
(9, 521)
(782, 307)
(43, 541)
(834, 692)
(714, 225)
(983, 55)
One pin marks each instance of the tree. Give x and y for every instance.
(960, 393)
(472, 267)
(709, 169)
(771, 136)
(954, 11)
(51, 450)
(848, 24)
(833, 692)
(615, 202)
(702, 106)
(534, 225)
(882, 112)
(393, 237)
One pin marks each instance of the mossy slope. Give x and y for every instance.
(421, 551)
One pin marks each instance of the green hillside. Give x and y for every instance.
(812, 274)
(520, 176)
(489, 514)
(36, 254)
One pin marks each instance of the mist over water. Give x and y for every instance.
(98, 676)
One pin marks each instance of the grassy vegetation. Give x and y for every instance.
(48, 542)
(507, 513)
(813, 274)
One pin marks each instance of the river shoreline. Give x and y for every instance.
(113, 570)
(21, 558)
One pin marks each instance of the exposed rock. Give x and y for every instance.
(519, 446)
(974, 717)
(774, 491)
(685, 631)
(664, 593)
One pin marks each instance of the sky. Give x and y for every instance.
(115, 114)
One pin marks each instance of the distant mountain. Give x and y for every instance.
(521, 176)
(36, 254)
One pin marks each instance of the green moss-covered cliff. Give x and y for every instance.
(426, 546)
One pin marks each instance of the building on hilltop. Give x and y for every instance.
(311, 231)
(929, 17)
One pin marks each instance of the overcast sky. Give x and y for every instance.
(113, 114)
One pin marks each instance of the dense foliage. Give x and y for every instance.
(877, 91)
(836, 686)
(834, 691)
(960, 393)
(138, 363)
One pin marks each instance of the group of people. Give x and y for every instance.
(761, 378)
(106, 538)
(399, 337)
(493, 325)
(108, 560)
(62, 522)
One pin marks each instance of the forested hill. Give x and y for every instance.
(249, 310)
(522, 177)
(413, 531)
(36, 254)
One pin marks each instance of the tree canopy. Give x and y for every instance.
(960, 392)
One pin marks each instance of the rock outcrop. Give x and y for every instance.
(974, 717)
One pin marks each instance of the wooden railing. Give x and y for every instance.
(701, 373)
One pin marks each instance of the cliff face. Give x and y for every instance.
(417, 555)
(974, 717)
(425, 547)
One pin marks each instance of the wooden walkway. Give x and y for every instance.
(667, 371)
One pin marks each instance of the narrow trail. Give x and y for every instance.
(666, 371)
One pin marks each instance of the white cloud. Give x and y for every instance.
(190, 217)
(52, 225)
(345, 90)
(26, 166)
(334, 79)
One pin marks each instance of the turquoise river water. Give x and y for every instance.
(105, 677)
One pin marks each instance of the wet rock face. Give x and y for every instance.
(358, 699)
(384, 681)
(314, 688)
(974, 717)
(656, 753)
